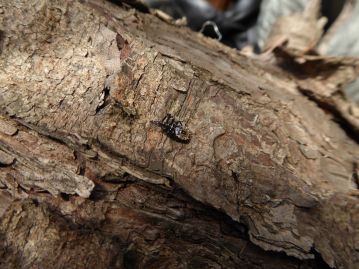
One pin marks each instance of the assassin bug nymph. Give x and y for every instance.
(174, 129)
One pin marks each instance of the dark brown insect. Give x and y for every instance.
(174, 129)
(123, 46)
(121, 42)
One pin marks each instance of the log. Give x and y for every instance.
(87, 180)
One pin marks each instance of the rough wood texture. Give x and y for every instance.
(80, 83)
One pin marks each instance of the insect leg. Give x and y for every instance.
(165, 119)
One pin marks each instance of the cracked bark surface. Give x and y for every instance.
(87, 181)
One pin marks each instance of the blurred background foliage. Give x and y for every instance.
(248, 23)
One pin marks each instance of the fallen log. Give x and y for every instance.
(267, 180)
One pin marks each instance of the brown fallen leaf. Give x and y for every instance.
(300, 31)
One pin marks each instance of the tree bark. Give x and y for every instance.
(268, 179)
